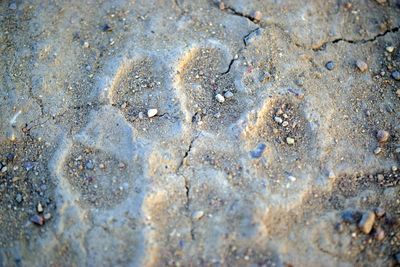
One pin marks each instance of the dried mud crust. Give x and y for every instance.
(25, 182)
(99, 178)
(204, 74)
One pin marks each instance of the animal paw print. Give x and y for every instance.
(205, 79)
(280, 140)
(100, 179)
(140, 92)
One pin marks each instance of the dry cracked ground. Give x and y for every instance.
(200, 133)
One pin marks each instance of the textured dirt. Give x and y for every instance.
(260, 153)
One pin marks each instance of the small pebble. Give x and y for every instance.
(12, 6)
(330, 65)
(28, 165)
(285, 124)
(331, 175)
(290, 141)
(390, 49)
(396, 75)
(39, 208)
(394, 168)
(152, 112)
(379, 212)
(220, 98)
(106, 28)
(47, 216)
(89, 165)
(4, 169)
(197, 215)
(377, 150)
(257, 15)
(10, 156)
(361, 65)
(18, 198)
(278, 119)
(141, 115)
(382, 136)
(379, 234)
(380, 177)
(121, 165)
(258, 151)
(367, 221)
(37, 219)
(102, 166)
(86, 44)
(228, 94)
(221, 5)
(292, 178)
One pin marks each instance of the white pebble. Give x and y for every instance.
(228, 94)
(377, 150)
(278, 119)
(197, 215)
(220, 98)
(152, 112)
(290, 141)
(39, 208)
(390, 49)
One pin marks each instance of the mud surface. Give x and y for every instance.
(200, 133)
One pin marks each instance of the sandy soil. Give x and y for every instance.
(200, 133)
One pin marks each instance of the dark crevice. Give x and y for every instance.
(235, 57)
(229, 67)
(187, 152)
(240, 14)
(187, 184)
(233, 11)
(359, 41)
(247, 35)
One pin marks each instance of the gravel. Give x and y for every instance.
(18, 198)
(330, 65)
(367, 221)
(37, 219)
(396, 75)
(361, 65)
(228, 94)
(152, 112)
(220, 98)
(390, 49)
(290, 141)
(382, 136)
(278, 119)
(258, 151)
(197, 215)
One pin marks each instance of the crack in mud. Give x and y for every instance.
(236, 56)
(360, 41)
(187, 152)
(234, 12)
